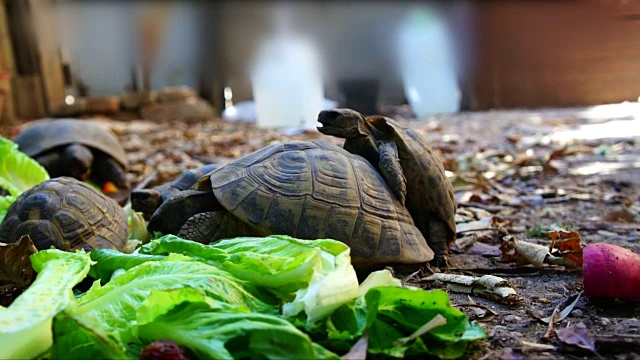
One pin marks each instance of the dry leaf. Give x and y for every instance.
(568, 244)
(623, 216)
(16, 272)
(577, 335)
(558, 316)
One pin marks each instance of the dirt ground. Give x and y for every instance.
(516, 173)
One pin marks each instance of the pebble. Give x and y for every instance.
(577, 313)
(512, 318)
(605, 321)
(631, 324)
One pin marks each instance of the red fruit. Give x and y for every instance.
(163, 350)
(611, 271)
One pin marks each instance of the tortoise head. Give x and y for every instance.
(77, 159)
(146, 201)
(343, 123)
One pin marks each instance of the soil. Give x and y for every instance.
(517, 173)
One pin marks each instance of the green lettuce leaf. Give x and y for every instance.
(137, 225)
(18, 172)
(392, 317)
(107, 261)
(395, 313)
(5, 203)
(74, 340)
(212, 334)
(25, 326)
(114, 306)
(318, 273)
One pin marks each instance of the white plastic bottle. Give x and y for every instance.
(427, 64)
(287, 80)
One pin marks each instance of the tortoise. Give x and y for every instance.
(80, 149)
(68, 214)
(307, 190)
(147, 201)
(413, 171)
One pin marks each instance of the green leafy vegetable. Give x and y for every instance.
(18, 173)
(319, 272)
(107, 261)
(137, 226)
(5, 203)
(273, 297)
(114, 305)
(213, 334)
(408, 310)
(25, 326)
(392, 317)
(74, 340)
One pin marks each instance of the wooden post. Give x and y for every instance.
(7, 69)
(50, 56)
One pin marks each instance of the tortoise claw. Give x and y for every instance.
(440, 261)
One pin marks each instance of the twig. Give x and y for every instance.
(489, 208)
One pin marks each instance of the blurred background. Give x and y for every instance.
(279, 63)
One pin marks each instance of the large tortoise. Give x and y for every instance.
(80, 149)
(68, 214)
(307, 190)
(147, 201)
(407, 162)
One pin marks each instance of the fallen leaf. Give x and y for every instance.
(568, 244)
(525, 252)
(482, 224)
(577, 335)
(16, 272)
(558, 316)
(478, 312)
(624, 216)
(529, 346)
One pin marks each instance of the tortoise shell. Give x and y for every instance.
(67, 214)
(46, 135)
(313, 190)
(428, 189)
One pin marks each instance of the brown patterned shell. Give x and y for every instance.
(313, 190)
(46, 135)
(67, 214)
(429, 192)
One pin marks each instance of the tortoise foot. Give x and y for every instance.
(440, 261)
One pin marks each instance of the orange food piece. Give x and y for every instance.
(109, 187)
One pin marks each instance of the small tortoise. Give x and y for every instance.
(406, 161)
(147, 201)
(67, 214)
(79, 149)
(307, 190)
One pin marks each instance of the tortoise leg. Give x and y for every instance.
(211, 226)
(176, 210)
(390, 168)
(437, 235)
